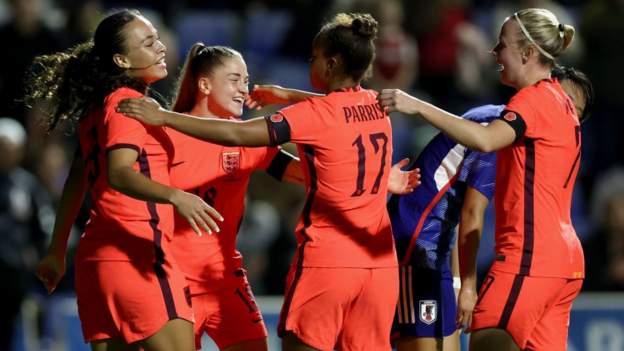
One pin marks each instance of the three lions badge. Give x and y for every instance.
(230, 161)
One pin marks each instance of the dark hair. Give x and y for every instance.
(351, 36)
(583, 83)
(73, 81)
(200, 60)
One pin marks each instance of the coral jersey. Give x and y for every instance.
(345, 144)
(534, 181)
(121, 227)
(220, 175)
(424, 221)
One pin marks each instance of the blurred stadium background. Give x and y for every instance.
(434, 49)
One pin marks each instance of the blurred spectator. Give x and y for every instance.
(604, 251)
(602, 26)
(26, 35)
(82, 19)
(435, 24)
(26, 219)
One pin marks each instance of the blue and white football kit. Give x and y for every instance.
(424, 222)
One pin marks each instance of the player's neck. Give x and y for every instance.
(341, 84)
(200, 109)
(534, 76)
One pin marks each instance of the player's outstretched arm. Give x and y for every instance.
(264, 95)
(254, 132)
(51, 268)
(494, 136)
(469, 237)
(123, 178)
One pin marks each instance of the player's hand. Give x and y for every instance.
(466, 302)
(391, 100)
(263, 95)
(145, 109)
(403, 182)
(50, 270)
(197, 212)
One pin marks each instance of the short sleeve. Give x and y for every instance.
(306, 120)
(482, 173)
(520, 115)
(122, 131)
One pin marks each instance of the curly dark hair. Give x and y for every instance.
(74, 81)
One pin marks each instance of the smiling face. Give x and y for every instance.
(145, 56)
(508, 55)
(227, 87)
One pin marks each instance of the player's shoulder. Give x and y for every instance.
(120, 94)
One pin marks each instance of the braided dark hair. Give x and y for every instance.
(74, 81)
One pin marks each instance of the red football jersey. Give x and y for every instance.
(534, 182)
(345, 145)
(121, 227)
(220, 175)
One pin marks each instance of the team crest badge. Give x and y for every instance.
(510, 116)
(276, 118)
(230, 161)
(428, 311)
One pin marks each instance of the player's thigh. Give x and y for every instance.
(551, 332)
(318, 301)
(368, 318)
(112, 345)
(492, 339)
(237, 318)
(177, 334)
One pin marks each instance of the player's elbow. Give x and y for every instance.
(483, 145)
(116, 178)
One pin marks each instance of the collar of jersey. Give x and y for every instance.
(348, 89)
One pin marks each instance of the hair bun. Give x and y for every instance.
(364, 25)
(568, 35)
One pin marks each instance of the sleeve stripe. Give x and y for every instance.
(122, 146)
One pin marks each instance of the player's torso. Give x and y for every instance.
(535, 181)
(347, 169)
(220, 176)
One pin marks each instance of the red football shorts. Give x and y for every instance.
(129, 300)
(535, 311)
(229, 315)
(343, 308)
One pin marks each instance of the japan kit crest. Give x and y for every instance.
(428, 311)
(230, 161)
